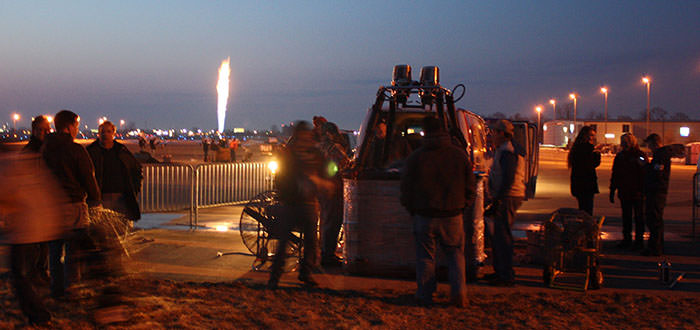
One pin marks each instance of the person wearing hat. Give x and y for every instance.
(656, 189)
(507, 190)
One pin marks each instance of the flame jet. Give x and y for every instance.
(222, 89)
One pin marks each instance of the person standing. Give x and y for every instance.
(658, 172)
(71, 165)
(298, 182)
(437, 184)
(233, 145)
(37, 261)
(582, 161)
(628, 180)
(117, 172)
(332, 204)
(205, 147)
(506, 187)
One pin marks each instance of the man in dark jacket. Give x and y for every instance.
(40, 128)
(437, 184)
(627, 179)
(507, 191)
(71, 165)
(298, 181)
(658, 172)
(117, 172)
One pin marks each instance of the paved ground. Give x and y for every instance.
(168, 248)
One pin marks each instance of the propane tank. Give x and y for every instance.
(665, 271)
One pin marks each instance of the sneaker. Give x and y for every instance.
(624, 244)
(501, 282)
(308, 280)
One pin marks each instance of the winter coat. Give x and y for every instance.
(438, 179)
(132, 173)
(507, 173)
(658, 172)
(300, 178)
(584, 160)
(71, 165)
(628, 174)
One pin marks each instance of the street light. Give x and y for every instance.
(647, 81)
(573, 96)
(553, 102)
(604, 90)
(15, 118)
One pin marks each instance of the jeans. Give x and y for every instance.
(655, 204)
(585, 203)
(502, 237)
(303, 215)
(331, 220)
(632, 207)
(449, 233)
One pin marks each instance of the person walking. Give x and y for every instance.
(658, 172)
(298, 182)
(583, 160)
(506, 187)
(628, 180)
(437, 184)
(117, 172)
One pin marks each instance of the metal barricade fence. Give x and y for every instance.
(176, 187)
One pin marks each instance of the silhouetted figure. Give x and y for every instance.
(628, 180)
(507, 190)
(205, 147)
(332, 204)
(117, 172)
(298, 181)
(437, 184)
(658, 173)
(582, 161)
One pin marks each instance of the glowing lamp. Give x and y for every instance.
(609, 136)
(430, 76)
(685, 131)
(273, 166)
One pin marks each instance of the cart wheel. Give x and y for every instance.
(596, 280)
(547, 275)
(256, 212)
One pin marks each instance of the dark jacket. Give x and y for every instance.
(584, 180)
(71, 165)
(34, 145)
(301, 169)
(132, 171)
(507, 172)
(658, 172)
(438, 179)
(628, 174)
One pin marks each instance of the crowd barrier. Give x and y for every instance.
(177, 187)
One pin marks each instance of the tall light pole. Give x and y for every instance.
(647, 82)
(553, 102)
(539, 112)
(604, 90)
(573, 96)
(15, 118)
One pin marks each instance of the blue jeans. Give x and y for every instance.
(449, 233)
(502, 237)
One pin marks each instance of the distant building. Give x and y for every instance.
(559, 132)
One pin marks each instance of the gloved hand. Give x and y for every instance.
(612, 196)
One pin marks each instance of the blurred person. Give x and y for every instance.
(332, 204)
(31, 210)
(71, 165)
(299, 181)
(318, 122)
(506, 188)
(117, 172)
(658, 172)
(233, 145)
(628, 180)
(583, 160)
(38, 262)
(437, 184)
(205, 147)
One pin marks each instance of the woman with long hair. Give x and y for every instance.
(582, 161)
(628, 179)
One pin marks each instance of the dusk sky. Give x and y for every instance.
(155, 63)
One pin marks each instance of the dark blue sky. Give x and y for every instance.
(155, 62)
